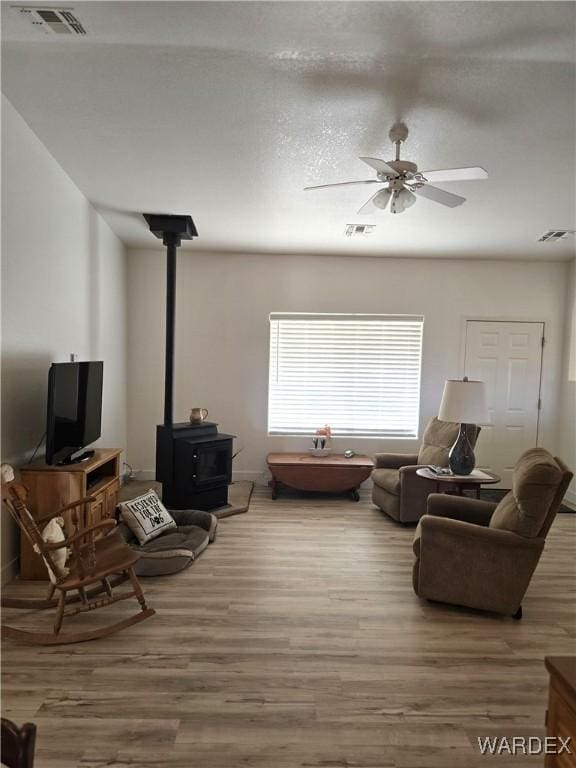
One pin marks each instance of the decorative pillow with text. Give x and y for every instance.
(146, 516)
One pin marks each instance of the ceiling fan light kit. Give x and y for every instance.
(382, 198)
(402, 199)
(401, 181)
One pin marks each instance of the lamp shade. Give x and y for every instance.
(464, 402)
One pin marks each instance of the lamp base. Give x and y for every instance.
(461, 459)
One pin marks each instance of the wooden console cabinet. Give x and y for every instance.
(561, 713)
(52, 487)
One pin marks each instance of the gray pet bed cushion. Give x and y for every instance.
(178, 547)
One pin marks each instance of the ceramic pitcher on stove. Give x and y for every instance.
(198, 415)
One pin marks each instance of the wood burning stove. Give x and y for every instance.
(194, 465)
(193, 461)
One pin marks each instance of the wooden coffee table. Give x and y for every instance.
(459, 483)
(306, 472)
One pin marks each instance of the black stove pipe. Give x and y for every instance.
(171, 241)
(171, 229)
(184, 444)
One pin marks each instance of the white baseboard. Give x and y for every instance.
(257, 477)
(144, 474)
(570, 500)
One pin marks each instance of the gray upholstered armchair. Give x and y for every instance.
(482, 555)
(397, 490)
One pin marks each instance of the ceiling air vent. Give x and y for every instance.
(51, 20)
(359, 230)
(554, 235)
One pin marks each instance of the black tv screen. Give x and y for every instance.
(74, 408)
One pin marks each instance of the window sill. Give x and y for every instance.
(347, 436)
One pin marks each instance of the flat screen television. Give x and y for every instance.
(74, 410)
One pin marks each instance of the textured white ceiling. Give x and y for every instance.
(227, 110)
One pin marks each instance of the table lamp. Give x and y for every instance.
(464, 402)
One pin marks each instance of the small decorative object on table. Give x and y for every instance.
(321, 441)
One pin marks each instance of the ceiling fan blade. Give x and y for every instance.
(456, 174)
(439, 195)
(370, 208)
(344, 184)
(379, 165)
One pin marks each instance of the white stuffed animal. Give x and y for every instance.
(6, 473)
(53, 533)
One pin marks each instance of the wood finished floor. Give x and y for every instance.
(296, 641)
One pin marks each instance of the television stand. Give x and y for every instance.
(51, 486)
(77, 459)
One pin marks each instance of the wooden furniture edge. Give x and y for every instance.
(52, 487)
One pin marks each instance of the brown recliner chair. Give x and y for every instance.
(397, 490)
(482, 555)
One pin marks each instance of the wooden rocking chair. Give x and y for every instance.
(100, 560)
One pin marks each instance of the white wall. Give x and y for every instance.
(63, 291)
(567, 425)
(223, 303)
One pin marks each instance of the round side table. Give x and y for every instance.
(458, 483)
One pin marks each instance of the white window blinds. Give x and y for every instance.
(358, 373)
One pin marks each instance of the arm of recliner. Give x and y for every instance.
(474, 566)
(460, 508)
(463, 534)
(414, 491)
(394, 460)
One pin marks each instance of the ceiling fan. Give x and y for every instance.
(400, 180)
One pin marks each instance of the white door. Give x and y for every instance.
(508, 357)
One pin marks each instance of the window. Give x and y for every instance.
(358, 373)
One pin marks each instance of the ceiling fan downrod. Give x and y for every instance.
(397, 134)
